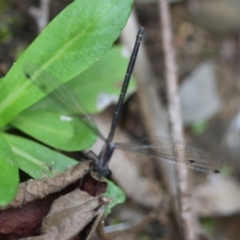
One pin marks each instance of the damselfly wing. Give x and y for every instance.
(156, 147)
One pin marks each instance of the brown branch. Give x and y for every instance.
(155, 117)
(175, 119)
(153, 113)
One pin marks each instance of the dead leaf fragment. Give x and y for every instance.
(34, 189)
(69, 215)
(36, 197)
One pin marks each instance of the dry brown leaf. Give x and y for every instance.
(69, 215)
(34, 189)
(35, 198)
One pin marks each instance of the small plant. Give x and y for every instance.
(66, 49)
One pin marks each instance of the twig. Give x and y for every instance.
(41, 14)
(128, 229)
(153, 113)
(175, 118)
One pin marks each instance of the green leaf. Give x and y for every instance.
(37, 160)
(9, 173)
(117, 195)
(108, 75)
(55, 129)
(98, 86)
(73, 41)
(1, 82)
(208, 223)
(35, 122)
(198, 127)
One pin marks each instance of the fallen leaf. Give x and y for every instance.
(23, 218)
(34, 189)
(69, 214)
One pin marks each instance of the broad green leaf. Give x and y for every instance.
(9, 173)
(73, 41)
(56, 130)
(84, 92)
(44, 127)
(98, 86)
(101, 83)
(117, 195)
(37, 160)
(1, 82)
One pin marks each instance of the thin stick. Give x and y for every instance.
(41, 14)
(175, 118)
(134, 228)
(148, 99)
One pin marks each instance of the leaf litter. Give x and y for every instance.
(69, 215)
(54, 208)
(33, 189)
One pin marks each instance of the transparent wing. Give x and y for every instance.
(51, 86)
(176, 152)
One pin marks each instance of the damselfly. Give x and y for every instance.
(156, 147)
